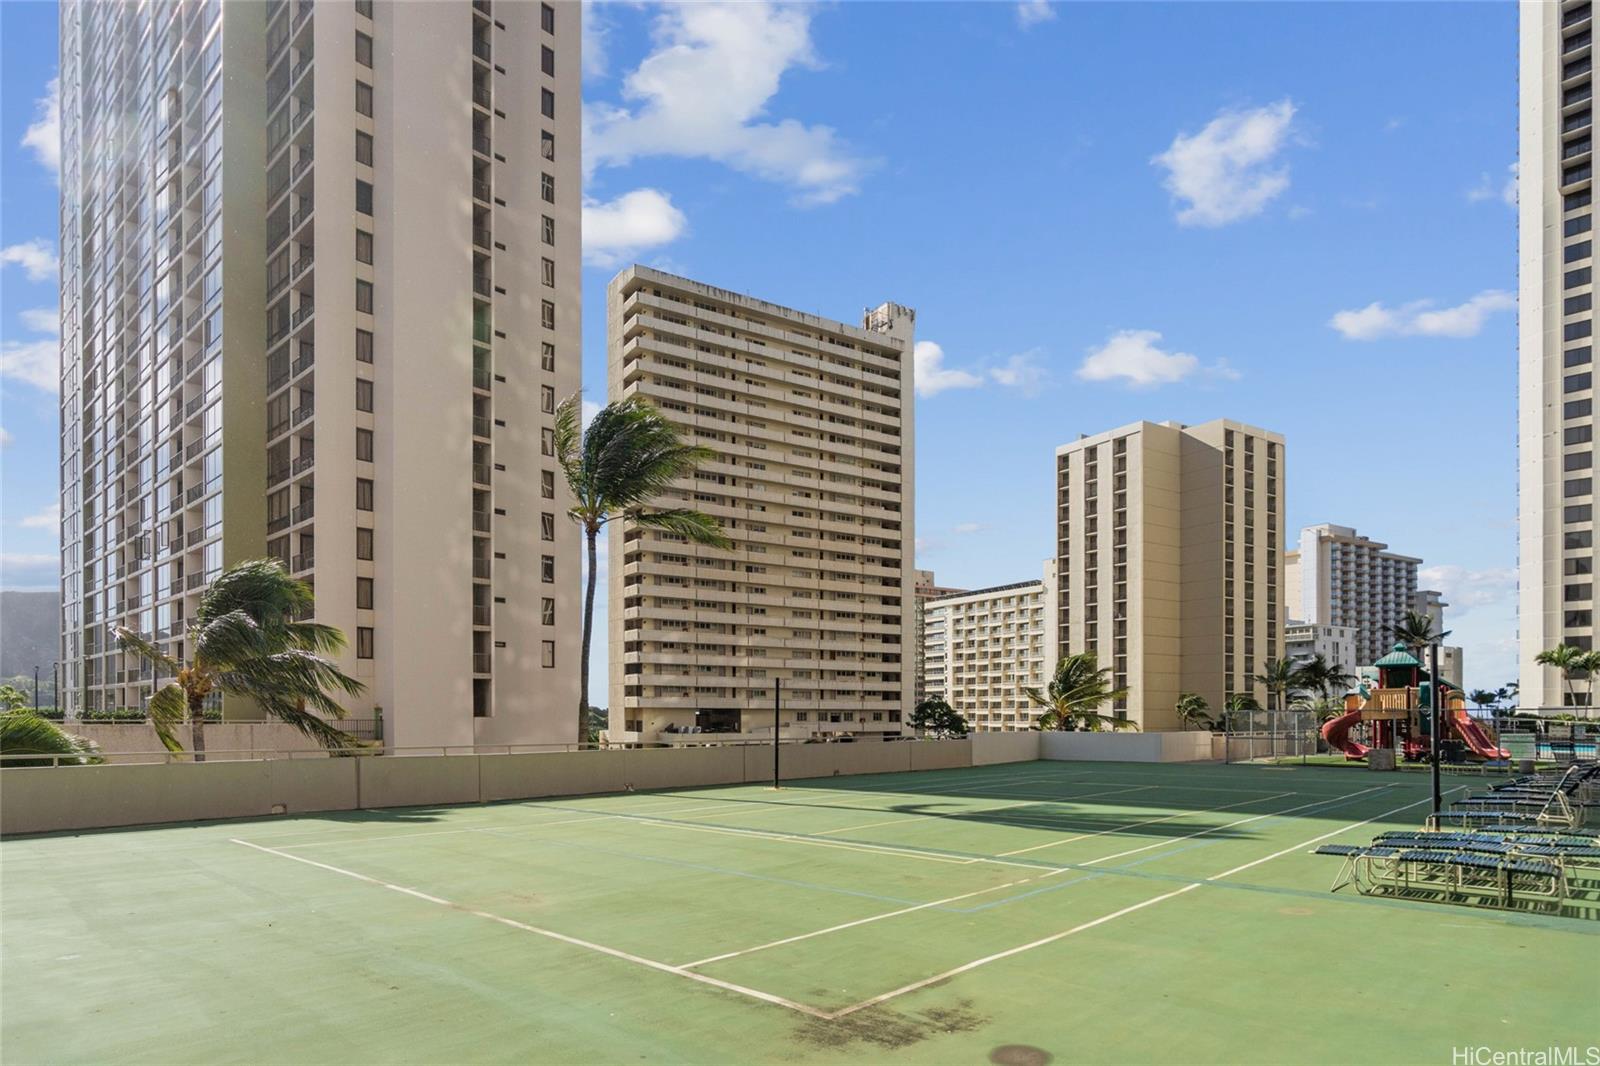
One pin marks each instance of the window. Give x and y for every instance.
(364, 196)
(1579, 566)
(1576, 251)
(547, 188)
(547, 314)
(1577, 460)
(363, 543)
(547, 484)
(363, 394)
(547, 611)
(363, 99)
(547, 18)
(1573, 305)
(1581, 512)
(547, 103)
(548, 272)
(547, 441)
(363, 494)
(547, 355)
(1576, 382)
(547, 230)
(1573, 330)
(547, 59)
(547, 399)
(363, 148)
(547, 569)
(364, 593)
(364, 296)
(363, 49)
(1577, 435)
(364, 445)
(1576, 356)
(1582, 538)
(364, 345)
(1578, 593)
(1573, 278)
(364, 7)
(547, 526)
(1577, 408)
(1578, 486)
(547, 144)
(363, 642)
(547, 653)
(363, 246)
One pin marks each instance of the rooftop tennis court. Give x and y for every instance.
(1084, 911)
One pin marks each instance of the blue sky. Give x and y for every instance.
(1295, 215)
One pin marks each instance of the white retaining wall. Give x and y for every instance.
(1189, 746)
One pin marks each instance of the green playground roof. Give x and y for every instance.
(1398, 657)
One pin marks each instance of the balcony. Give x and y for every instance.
(480, 614)
(304, 463)
(480, 143)
(480, 569)
(195, 537)
(480, 236)
(303, 363)
(304, 512)
(480, 284)
(303, 562)
(480, 95)
(481, 662)
(277, 474)
(302, 413)
(194, 581)
(480, 473)
(306, 310)
(480, 378)
(480, 49)
(481, 190)
(480, 426)
(480, 521)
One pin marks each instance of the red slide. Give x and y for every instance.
(1476, 739)
(1336, 731)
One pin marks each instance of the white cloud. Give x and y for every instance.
(1133, 356)
(41, 320)
(1421, 319)
(1226, 172)
(1488, 188)
(36, 362)
(704, 91)
(1465, 589)
(932, 376)
(968, 528)
(30, 571)
(1021, 371)
(49, 518)
(588, 411)
(595, 30)
(36, 257)
(43, 136)
(616, 231)
(5, 437)
(1032, 12)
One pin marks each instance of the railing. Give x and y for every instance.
(480, 426)
(480, 236)
(480, 48)
(480, 614)
(481, 190)
(480, 521)
(304, 463)
(480, 569)
(302, 413)
(304, 561)
(304, 511)
(480, 144)
(480, 473)
(480, 284)
(481, 662)
(480, 95)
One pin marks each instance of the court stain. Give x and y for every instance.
(889, 1029)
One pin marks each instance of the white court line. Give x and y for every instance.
(910, 853)
(638, 960)
(1148, 821)
(976, 811)
(937, 978)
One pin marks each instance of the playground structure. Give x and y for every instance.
(1397, 714)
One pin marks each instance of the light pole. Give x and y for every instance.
(36, 686)
(1433, 731)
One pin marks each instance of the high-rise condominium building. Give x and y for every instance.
(319, 295)
(983, 646)
(1555, 409)
(811, 423)
(1169, 562)
(1338, 577)
(924, 588)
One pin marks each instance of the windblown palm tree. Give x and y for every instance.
(1416, 633)
(628, 456)
(1193, 711)
(1589, 664)
(1075, 694)
(1240, 703)
(247, 641)
(1566, 658)
(27, 733)
(1278, 676)
(1482, 697)
(1326, 679)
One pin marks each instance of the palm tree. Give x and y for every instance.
(1075, 694)
(247, 640)
(1193, 711)
(27, 733)
(629, 454)
(1589, 663)
(1280, 676)
(1238, 703)
(1483, 697)
(1416, 633)
(1566, 658)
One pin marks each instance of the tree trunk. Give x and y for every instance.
(590, 533)
(197, 728)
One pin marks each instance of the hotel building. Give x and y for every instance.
(320, 280)
(982, 647)
(811, 421)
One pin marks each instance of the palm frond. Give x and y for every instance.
(26, 733)
(693, 526)
(167, 710)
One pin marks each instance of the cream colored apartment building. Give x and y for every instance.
(982, 647)
(811, 422)
(1339, 577)
(1555, 323)
(360, 227)
(1169, 562)
(924, 588)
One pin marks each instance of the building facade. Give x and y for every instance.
(811, 420)
(924, 588)
(1338, 577)
(1555, 407)
(982, 647)
(1303, 641)
(1169, 561)
(320, 292)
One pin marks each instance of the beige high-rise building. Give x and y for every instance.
(1169, 563)
(924, 588)
(811, 420)
(1338, 577)
(1555, 407)
(320, 292)
(983, 646)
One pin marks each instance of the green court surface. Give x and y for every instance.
(1032, 912)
